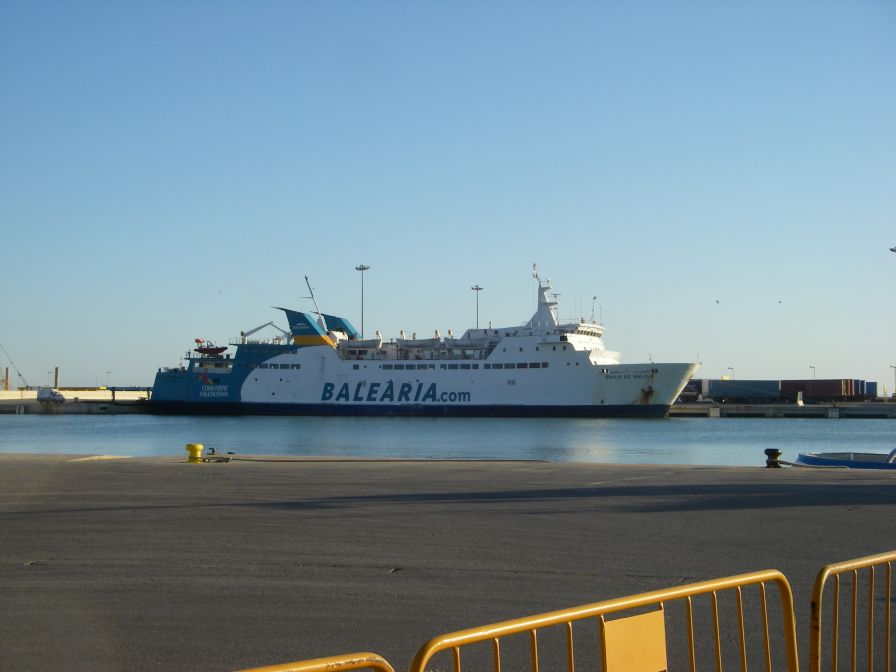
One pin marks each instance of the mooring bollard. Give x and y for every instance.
(195, 452)
(773, 458)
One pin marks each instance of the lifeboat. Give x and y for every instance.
(208, 348)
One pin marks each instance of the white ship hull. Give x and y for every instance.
(316, 379)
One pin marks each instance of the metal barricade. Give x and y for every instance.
(636, 643)
(348, 661)
(870, 578)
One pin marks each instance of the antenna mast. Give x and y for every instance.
(320, 315)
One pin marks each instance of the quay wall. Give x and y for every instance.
(102, 401)
(869, 409)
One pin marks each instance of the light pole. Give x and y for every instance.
(731, 369)
(108, 374)
(813, 371)
(362, 268)
(894, 380)
(476, 288)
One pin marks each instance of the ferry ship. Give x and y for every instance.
(322, 366)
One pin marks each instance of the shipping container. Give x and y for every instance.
(744, 391)
(831, 389)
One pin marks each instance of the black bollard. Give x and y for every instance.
(773, 458)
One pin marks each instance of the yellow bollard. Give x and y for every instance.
(195, 451)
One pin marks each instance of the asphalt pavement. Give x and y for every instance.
(151, 564)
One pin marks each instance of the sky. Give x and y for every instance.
(720, 176)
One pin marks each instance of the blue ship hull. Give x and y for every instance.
(410, 410)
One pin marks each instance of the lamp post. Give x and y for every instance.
(813, 371)
(731, 369)
(476, 288)
(894, 380)
(362, 268)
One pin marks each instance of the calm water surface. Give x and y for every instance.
(708, 441)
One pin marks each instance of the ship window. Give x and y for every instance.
(465, 366)
(297, 366)
(442, 366)
(553, 347)
(497, 366)
(387, 367)
(522, 365)
(399, 367)
(534, 365)
(262, 366)
(475, 366)
(521, 349)
(536, 348)
(452, 366)
(355, 366)
(284, 366)
(544, 365)
(487, 366)
(509, 366)
(425, 366)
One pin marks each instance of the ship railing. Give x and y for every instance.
(276, 340)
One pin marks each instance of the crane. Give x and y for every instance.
(18, 373)
(244, 335)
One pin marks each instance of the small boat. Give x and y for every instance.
(849, 460)
(208, 348)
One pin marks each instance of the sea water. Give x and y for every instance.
(698, 441)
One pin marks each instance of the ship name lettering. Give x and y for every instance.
(422, 393)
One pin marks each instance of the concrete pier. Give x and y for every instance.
(77, 402)
(147, 564)
(845, 409)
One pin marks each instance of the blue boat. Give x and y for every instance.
(849, 460)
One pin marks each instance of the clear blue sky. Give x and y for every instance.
(722, 176)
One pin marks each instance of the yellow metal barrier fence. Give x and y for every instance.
(348, 661)
(637, 643)
(870, 578)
